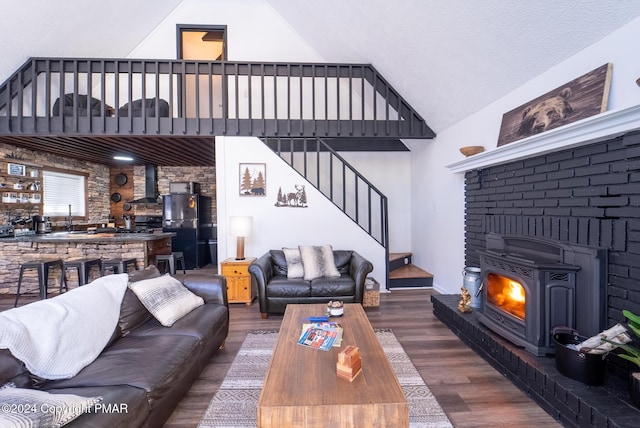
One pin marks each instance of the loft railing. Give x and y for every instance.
(127, 96)
(340, 182)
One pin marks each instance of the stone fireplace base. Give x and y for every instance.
(571, 402)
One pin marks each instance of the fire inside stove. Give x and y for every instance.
(506, 293)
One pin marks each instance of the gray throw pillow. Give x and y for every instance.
(295, 268)
(166, 298)
(42, 409)
(318, 262)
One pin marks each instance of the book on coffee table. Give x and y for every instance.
(325, 324)
(320, 335)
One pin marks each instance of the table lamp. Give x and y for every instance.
(240, 226)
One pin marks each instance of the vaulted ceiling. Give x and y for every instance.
(448, 58)
(451, 58)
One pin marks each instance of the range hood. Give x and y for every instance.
(150, 186)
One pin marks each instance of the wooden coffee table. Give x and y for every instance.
(301, 388)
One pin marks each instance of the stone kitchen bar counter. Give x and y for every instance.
(72, 245)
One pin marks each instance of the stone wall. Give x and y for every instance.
(204, 175)
(97, 182)
(586, 196)
(13, 254)
(99, 193)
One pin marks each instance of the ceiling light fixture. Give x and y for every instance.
(123, 158)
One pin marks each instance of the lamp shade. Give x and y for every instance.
(240, 225)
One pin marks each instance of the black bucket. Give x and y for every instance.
(587, 368)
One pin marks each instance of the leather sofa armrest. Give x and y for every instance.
(262, 271)
(359, 268)
(212, 288)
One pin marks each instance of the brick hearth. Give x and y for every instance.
(571, 402)
(588, 196)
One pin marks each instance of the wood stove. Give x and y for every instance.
(531, 285)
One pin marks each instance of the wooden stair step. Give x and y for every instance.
(398, 256)
(410, 271)
(397, 260)
(410, 276)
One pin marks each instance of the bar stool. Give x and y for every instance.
(171, 259)
(118, 265)
(83, 268)
(43, 267)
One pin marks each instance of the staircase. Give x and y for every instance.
(338, 181)
(354, 195)
(402, 273)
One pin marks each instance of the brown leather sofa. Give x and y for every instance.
(147, 368)
(276, 291)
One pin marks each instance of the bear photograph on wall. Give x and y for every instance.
(253, 179)
(584, 96)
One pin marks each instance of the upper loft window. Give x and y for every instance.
(204, 42)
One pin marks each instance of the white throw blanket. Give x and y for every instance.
(56, 338)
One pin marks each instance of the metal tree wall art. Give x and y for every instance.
(293, 199)
(253, 180)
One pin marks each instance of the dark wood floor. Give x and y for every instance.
(470, 391)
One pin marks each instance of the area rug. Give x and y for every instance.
(235, 404)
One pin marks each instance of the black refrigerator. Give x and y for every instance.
(183, 214)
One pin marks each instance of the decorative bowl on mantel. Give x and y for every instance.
(471, 150)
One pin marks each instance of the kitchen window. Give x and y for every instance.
(64, 192)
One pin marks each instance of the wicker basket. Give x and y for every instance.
(371, 297)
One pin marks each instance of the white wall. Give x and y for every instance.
(255, 32)
(276, 227)
(438, 194)
(390, 172)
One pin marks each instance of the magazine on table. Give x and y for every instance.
(322, 335)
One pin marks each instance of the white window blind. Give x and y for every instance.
(61, 190)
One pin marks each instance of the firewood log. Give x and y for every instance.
(595, 345)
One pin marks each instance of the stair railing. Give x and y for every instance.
(338, 181)
(204, 98)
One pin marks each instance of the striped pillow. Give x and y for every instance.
(318, 262)
(295, 268)
(35, 408)
(166, 298)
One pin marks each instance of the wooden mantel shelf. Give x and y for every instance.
(601, 127)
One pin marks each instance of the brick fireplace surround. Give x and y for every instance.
(590, 196)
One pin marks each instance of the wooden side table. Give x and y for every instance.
(241, 286)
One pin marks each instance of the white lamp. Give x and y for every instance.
(240, 226)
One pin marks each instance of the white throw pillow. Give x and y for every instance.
(166, 298)
(318, 262)
(295, 268)
(24, 408)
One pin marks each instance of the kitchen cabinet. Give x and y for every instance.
(241, 286)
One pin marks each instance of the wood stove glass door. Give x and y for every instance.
(506, 294)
